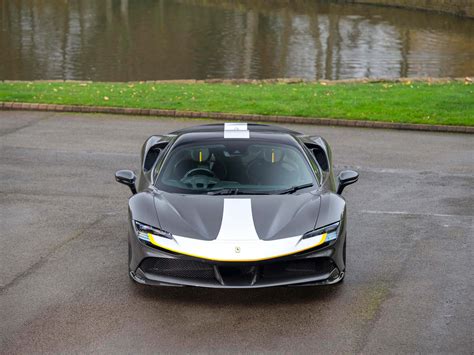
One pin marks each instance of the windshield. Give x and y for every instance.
(235, 167)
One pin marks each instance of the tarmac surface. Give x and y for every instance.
(63, 252)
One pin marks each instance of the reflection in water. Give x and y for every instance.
(119, 40)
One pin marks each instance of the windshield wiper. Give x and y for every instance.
(251, 192)
(236, 191)
(224, 191)
(293, 189)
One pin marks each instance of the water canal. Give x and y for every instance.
(124, 40)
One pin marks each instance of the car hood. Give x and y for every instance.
(266, 217)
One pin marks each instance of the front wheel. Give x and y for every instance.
(344, 253)
(344, 260)
(129, 260)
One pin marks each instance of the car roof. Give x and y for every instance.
(219, 131)
(252, 127)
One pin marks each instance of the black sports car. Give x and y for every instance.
(236, 205)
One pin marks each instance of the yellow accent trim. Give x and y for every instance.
(200, 156)
(273, 156)
(154, 242)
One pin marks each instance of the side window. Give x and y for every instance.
(320, 156)
(152, 156)
(150, 159)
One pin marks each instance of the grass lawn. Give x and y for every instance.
(444, 103)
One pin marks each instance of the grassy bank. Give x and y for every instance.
(442, 103)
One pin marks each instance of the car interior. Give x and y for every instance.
(235, 165)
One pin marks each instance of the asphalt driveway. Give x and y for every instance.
(63, 251)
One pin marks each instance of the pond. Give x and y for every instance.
(124, 40)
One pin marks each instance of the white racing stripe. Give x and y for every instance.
(237, 239)
(236, 130)
(237, 221)
(235, 126)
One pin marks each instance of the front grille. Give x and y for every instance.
(238, 274)
(297, 268)
(188, 269)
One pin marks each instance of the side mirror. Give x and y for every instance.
(346, 178)
(127, 177)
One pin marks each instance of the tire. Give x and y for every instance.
(344, 259)
(129, 260)
(344, 253)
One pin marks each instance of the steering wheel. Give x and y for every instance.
(193, 172)
(198, 180)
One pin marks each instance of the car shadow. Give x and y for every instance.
(223, 297)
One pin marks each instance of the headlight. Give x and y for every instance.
(330, 231)
(145, 232)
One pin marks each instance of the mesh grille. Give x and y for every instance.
(188, 269)
(237, 274)
(297, 268)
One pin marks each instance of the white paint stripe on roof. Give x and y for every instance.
(235, 126)
(236, 130)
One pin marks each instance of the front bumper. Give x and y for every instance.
(242, 276)
(156, 267)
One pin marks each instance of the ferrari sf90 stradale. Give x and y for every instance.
(236, 205)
